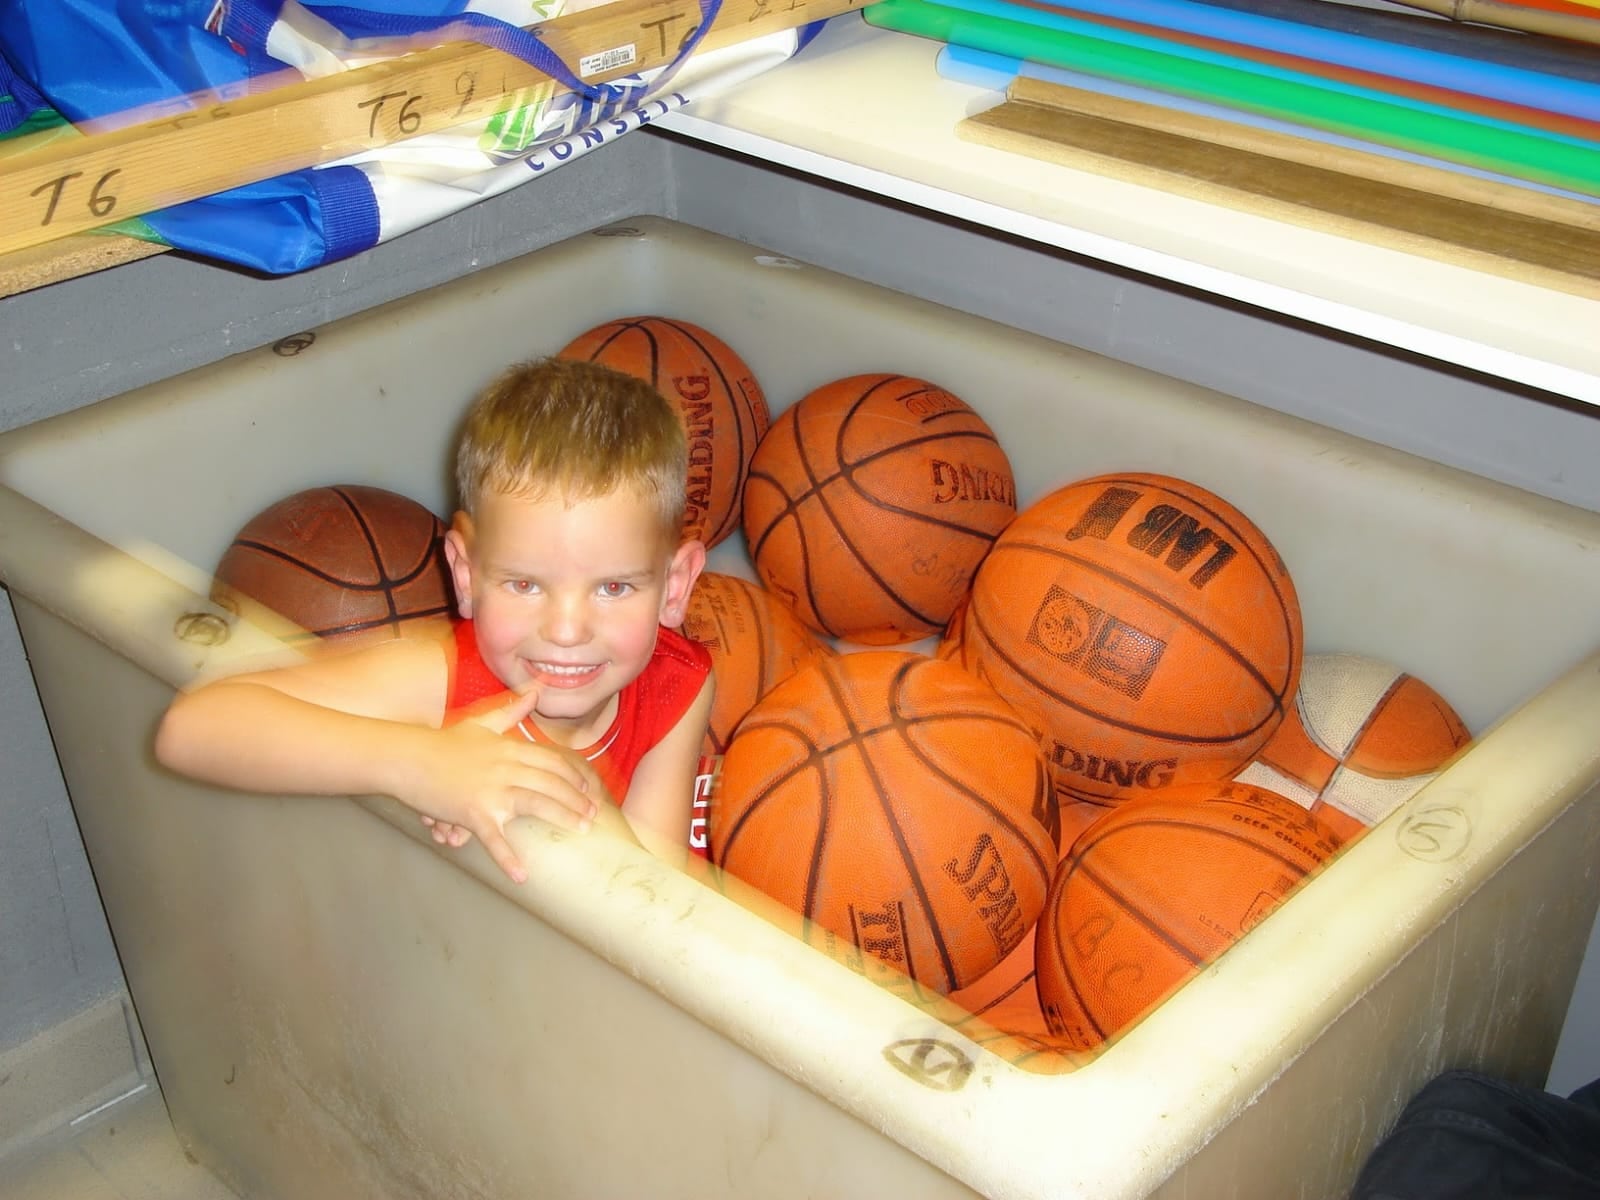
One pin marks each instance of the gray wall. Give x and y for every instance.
(80, 341)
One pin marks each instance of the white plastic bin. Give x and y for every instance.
(338, 1009)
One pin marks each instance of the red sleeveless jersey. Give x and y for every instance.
(647, 708)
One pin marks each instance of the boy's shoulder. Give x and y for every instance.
(679, 651)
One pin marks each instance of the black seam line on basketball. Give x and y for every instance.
(834, 685)
(378, 622)
(1166, 822)
(1164, 735)
(788, 511)
(431, 557)
(812, 759)
(1240, 542)
(738, 426)
(847, 475)
(372, 545)
(800, 534)
(821, 481)
(315, 573)
(1372, 715)
(963, 716)
(625, 326)
(863, 560)
(1277, 695)
(1124, 901)
(902, 725)
(1053, 947)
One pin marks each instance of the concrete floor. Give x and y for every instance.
(129, 1152)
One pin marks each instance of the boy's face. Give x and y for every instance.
(569, 597)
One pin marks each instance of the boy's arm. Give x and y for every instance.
(661, 794)
(367, 721)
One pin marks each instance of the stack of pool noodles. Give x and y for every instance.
(1518, 106)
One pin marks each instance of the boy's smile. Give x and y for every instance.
(569, 596)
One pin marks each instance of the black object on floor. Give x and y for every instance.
(1467, 1136)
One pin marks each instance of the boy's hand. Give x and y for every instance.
(477, 780)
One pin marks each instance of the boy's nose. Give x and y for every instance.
(566, 622)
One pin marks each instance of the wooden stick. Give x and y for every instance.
(1531, 236)
(211, 143)
(1513, 16)
(1382, 168)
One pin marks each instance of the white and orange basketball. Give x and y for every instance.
(1361, 739)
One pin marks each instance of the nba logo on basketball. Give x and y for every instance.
(1104, 648)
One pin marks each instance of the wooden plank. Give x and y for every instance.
(1346, 160)
(67, 258)
(203, 144)
(1545, 240)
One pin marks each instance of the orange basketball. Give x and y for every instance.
(899, 804)
(755, 643)
(950, 647)
(1145, 625)
(1362, 738)
(871, 503)
(1006, 996)
(723, 407)
(1157, 888)
(339, 562)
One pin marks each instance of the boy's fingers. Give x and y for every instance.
(512, 712)
(560, 768)
(569, 810)
(494, 841)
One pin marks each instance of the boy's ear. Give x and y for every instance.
(688, 560)
(458, 554)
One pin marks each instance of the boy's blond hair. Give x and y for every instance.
(578, 430)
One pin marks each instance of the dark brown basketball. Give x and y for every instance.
(339, 562)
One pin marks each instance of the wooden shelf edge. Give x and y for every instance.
(68, 258)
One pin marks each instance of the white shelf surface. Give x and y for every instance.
(866, 108)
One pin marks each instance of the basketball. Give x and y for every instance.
(755, 643)
(899, 805)
(949, 647)
(723, 407)
(1362, 738)
(1006, 997)
(1147, 628)
(870, 504)
(339, 562)
(1159, 887)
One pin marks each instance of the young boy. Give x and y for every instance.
(565, 685)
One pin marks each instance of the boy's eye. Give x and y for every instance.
(615, 589)
(522, 587)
